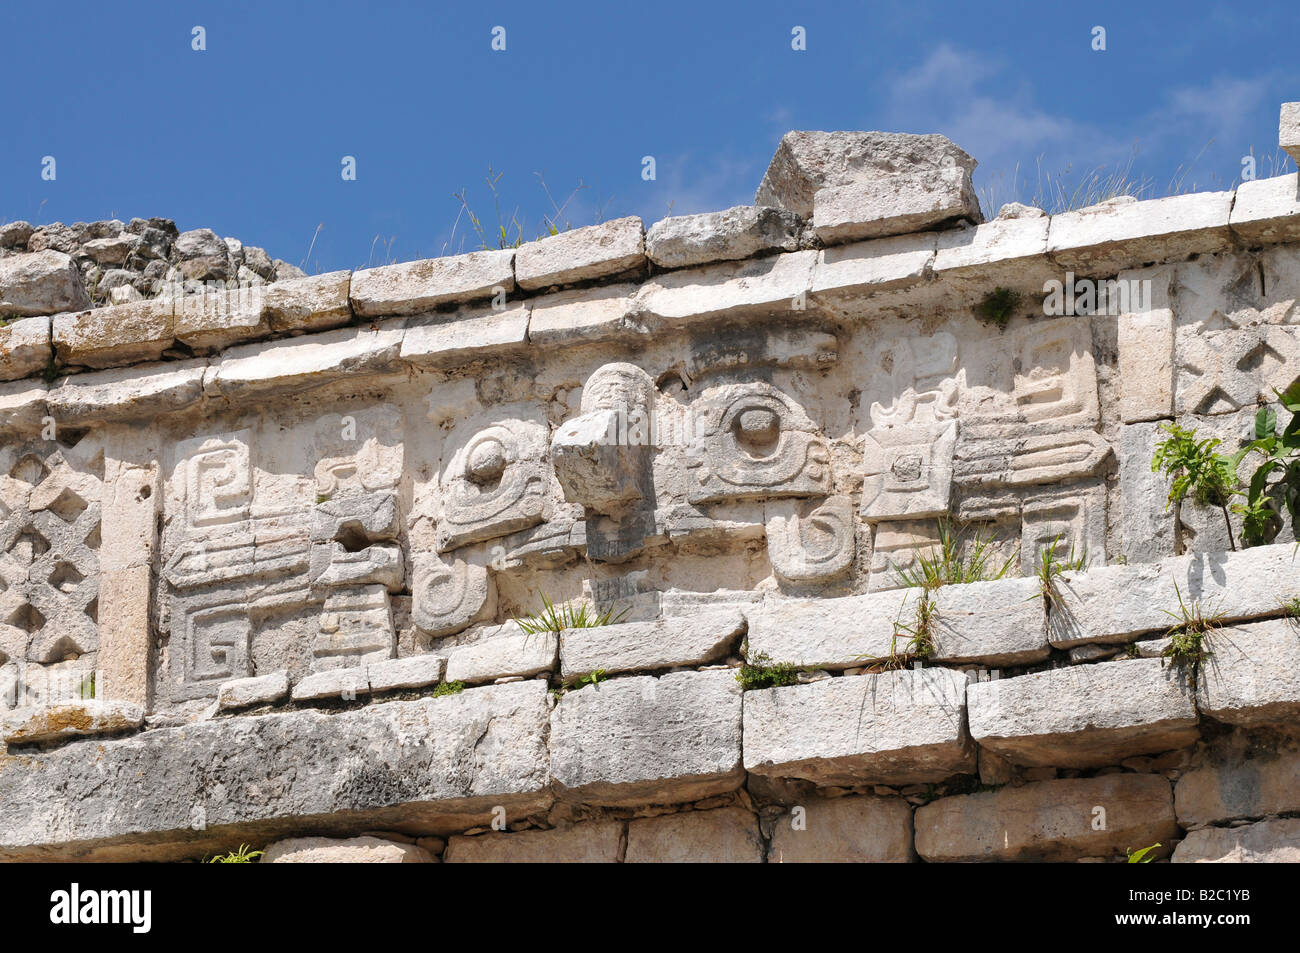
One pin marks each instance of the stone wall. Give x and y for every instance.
(265, 549)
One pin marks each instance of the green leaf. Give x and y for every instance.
(1290, 398)
(1140, 856)
(1265, 423)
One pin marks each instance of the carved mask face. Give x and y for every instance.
(616, 387)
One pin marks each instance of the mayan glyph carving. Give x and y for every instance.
(49, 543)
(751, 441)
(1223, 371)
(907, 471)
(925, 380)
(449, 593)
(810, 542)
(496, 480)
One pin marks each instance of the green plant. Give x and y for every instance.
(917, 636)
(1142, 855)
(591, 678)
(953, 562)
(1050, 566)
(1275, 484)
(551, 619)
(1291, 610)
(1187, 647)
(448, 688)
(242, 856)
(759, 671)
(508, 231)
(998, 305)
(1196, 471)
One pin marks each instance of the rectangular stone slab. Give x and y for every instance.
(1084, 715)
(897, 728)
(435, 765)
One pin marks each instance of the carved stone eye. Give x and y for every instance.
(487, 462)
(758, 428)
(907, 468)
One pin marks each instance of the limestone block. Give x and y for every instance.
(247, 371)
(1267, 210)
(351, 850)
(25, 347)
(897, 728)
(356, 626)
(1238, 783)
(908, 471)
(25, 726)
(1275, 841)
(449, 594)
(585, 315)
(1049, 820)
(847, 275)
(258, 690)
(138, 392)
(1007, 252)
(645, 646)
(810, 541)
(1146, 350)
(1112, 603)
(597, 842)
(1120, 234)
(1001, 622)
(774, 286)
(212, 321)
(725, 836)
(1253, 674)
(116, 335)
(438, 764)
(582, 254)
(808, 161)
(722, 349)
(830, 633)
(844, 830)
(894, 204)
(413, 287)
(1288, 135)
(503, 655)
(416, 671)
(22, 404)
(740, 232)
(317, 303)
(40, 282)
(466, 335)
(1084, 716)
(630, 741)
(345, 683)
(1225, 371)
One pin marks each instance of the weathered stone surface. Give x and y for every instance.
(1288, 135)
(725, 836)
(1119, 234)
(297, 363)
(765, 286)
(142, 391)
(199, 243)
(1252, 676)
(1085, 715)
(845, 830)
(25, 347)
(583, 254)
(116, 335)
(414, 287)
(846, 276)
(1267, 210)
(1010, 252)
(434, 765)
(464, 336)
(1236, 783)
(1001, 622)
(807, 161)
(1111, 603)
(257, 690)
(501, 655)
(404, 673)
(630, 741)
(345, 683)
(42, 282)
(25, 726)
(22, 403)
(741, 232)
(1146, 350)
(894, 204)
(831, 633)
(317, 303)
(1274, 841)
(585, 315)
(1049, 820)
(647, 646)
(899, 727)
(352, 850)
(598, 842)
(215, 320)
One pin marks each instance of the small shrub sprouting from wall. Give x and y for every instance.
(551, 619)
(1197, 471)
(759, 671)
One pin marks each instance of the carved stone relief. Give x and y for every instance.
(810, 542)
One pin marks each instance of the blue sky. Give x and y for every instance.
(247, 137)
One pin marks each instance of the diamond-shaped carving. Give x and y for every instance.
(27, 618)
(30, 470)
(67, 506)
(65, 577)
